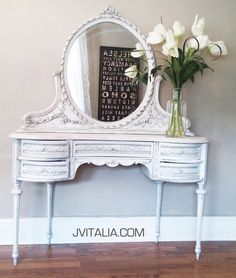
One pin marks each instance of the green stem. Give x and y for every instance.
(176, 128)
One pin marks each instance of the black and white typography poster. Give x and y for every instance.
(117, 96)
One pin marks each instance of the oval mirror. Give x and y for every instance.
(96, 57)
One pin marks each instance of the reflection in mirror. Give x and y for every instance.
(83, 65)
(78, 74)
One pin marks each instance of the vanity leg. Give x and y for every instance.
(49, 211)
(16, 192)
(200, 200)
(158, 208)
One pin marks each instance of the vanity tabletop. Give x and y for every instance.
(106, 135)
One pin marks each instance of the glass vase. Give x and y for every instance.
(176, 107)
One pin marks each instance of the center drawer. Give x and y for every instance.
(114, 148)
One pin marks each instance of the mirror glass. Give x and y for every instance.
(96, 61)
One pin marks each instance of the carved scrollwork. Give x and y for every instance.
(111, 162)
(44, 171)
(112, 148)
(151, 119)
(110, 11)
(175, 172)
(193, 152)
(37, 148)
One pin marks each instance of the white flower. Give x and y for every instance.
(178, 29)
(203, 41)
(132, 71)
(198, 26)
(170, 48)
(139, 51)
(158, 35)
(217, 48)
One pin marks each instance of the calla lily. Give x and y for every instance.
(139, 51)
(217, 48)
(198, 26)
(203, 41)
(182, 62)
(178, 29)
(170, 48)
(158, 35)
(132, 71)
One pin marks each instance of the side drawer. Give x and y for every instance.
(44, 171)
(179, 172)
(112, 148)
(180, 152)
(44, 149)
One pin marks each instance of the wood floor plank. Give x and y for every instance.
(121, 260)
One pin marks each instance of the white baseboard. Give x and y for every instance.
(117, 229)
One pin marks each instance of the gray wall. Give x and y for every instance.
(33, 34)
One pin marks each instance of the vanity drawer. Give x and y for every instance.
(180, 152)
(44, 171)
(114, 148)
(179, 172)
(36, 149)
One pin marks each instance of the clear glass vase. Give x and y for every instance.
(176, 107)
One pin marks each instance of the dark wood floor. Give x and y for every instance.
(126, 260)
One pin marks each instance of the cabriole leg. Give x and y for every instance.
(16, 192)
(158, 208)
(49, 211)
(200, 200)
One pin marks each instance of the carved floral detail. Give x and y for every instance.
(177, 151)
(110, 11)
(185, 172)
(153, 118)
(113, 148)
(33, 148)
(39, 170)
(112, 162)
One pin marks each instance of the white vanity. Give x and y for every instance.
(53, 143)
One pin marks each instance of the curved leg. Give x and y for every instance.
(16, 191)
(49, 210)
(158, 208)
(200, 200)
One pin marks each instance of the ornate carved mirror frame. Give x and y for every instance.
(64, 115)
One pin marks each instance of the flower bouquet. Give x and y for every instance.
(177, 63)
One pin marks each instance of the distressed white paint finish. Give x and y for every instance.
(53, 143)
(112, 152)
